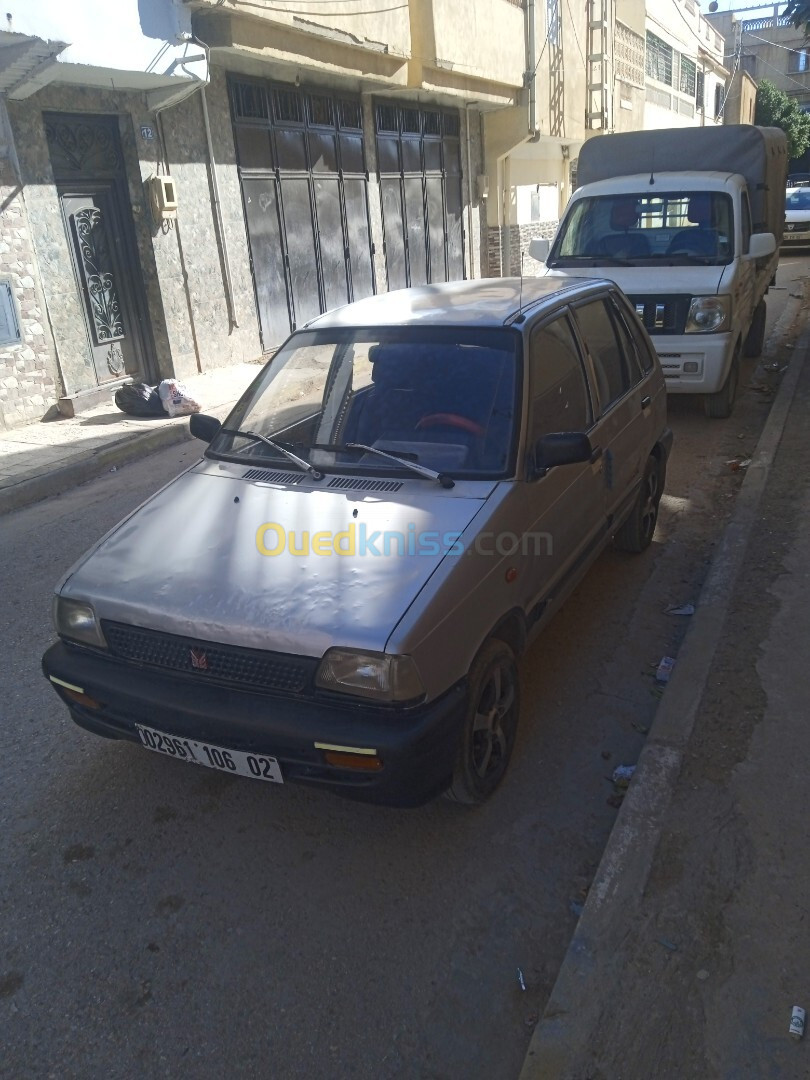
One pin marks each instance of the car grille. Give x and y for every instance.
(205, 660)
(662, 314)
(797, 226)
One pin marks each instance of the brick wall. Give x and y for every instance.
(27, 370)
(519, 238)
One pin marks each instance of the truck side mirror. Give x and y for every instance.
(761, 244)
(539, 249)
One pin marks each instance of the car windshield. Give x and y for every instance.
(441, 398)
(798, 200)
(669, 228)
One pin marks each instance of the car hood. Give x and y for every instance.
(651, 280)
(188, 561)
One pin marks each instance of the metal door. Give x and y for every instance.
(88, 166)
(92, 223)
(418, 156)
(305, 193)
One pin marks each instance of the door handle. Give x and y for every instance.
(646, 401)
(596, 453)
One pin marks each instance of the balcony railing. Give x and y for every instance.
(766, 23)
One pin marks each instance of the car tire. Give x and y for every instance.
(718, 406)
(755, 340)
(636, 533)
(490, 725)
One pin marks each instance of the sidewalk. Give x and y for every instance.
(53, 456)
(693, 946)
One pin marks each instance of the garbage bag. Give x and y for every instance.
(139, 399)
(176, 399)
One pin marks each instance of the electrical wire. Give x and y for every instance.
(719, 113)
(576, 35)
(801, 85)
(691, 29)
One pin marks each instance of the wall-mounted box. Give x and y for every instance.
(162, 198)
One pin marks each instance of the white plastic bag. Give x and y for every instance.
(176, 399)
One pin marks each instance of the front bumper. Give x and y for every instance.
(417, 746)
(711, 352)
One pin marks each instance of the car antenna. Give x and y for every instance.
(652, 168)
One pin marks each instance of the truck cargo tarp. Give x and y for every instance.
(758, 153)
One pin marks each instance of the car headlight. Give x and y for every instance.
(708, 314)
(370, 675)
(76, 621)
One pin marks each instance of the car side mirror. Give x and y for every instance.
(539, 249)
(561, 448)
(761, 245)
(204, 427)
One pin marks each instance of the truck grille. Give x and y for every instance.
(662, 314)
(205, 660)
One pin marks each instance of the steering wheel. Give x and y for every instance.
(446, 419)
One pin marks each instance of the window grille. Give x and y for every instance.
(688, 77)
(658, 59)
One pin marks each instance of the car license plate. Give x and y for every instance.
(256, 766)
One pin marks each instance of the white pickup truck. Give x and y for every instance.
(688, 223)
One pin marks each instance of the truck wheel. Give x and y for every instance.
(637, 532)
(490, 724)
(718, 406)
(756, 333)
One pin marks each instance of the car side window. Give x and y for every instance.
(599, 334)
(644, 346)
(628, 342)
(557, 383)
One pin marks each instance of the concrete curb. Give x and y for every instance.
(591, 967)
(87, 466)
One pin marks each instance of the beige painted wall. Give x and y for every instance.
(485, 39)
(367, 23)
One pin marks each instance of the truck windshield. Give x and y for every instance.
(442, 398)
(667, 228)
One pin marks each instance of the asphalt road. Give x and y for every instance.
(159, 920)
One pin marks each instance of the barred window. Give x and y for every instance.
(387, 118)
(321, 111)
(688, 76)
(658, 60)
(249, 101)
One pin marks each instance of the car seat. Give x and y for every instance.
(626, 241)
(699, 240)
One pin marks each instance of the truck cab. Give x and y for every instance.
(694, 248)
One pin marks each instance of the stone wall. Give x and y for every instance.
(28, 378)
(189, 328)
(189, 260)
(519, 238)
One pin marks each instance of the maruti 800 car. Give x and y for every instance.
(337, 593)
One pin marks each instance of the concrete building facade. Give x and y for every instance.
(769, 47)
(185, 181)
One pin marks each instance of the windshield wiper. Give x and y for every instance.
(442, 478)
(303, 465)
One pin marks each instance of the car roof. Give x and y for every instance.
(483, 302)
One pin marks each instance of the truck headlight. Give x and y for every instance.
(708, 314)
(76, 621)
(370, 675)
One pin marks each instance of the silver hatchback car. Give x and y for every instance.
(337, 592)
